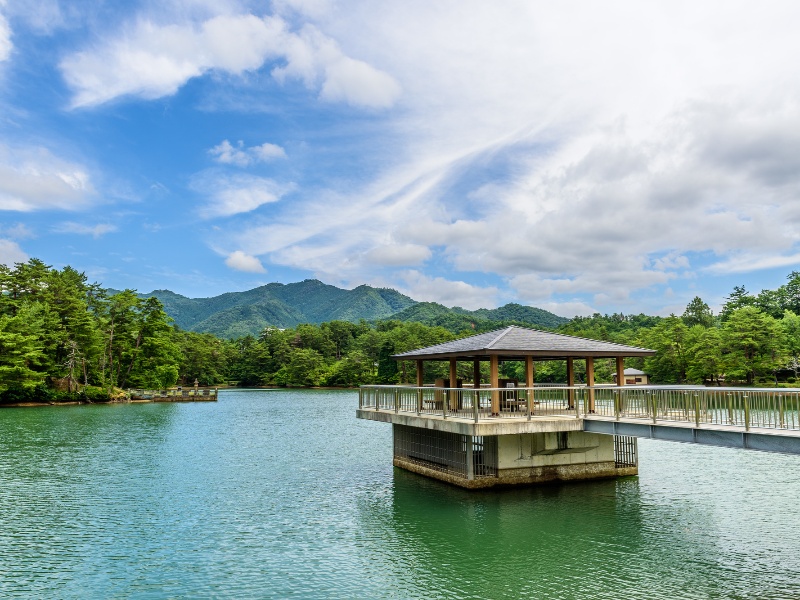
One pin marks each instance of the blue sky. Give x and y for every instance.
(577, 156)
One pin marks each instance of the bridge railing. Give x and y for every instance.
(740, 407)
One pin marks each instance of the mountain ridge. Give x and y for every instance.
(237, 314)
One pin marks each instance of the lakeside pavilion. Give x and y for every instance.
(503, 433)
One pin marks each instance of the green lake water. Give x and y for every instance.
(285, 494)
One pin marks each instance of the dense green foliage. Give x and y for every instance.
(62, 338)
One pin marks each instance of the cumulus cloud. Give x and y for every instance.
(152, 60)
(240, 261)
(228, 154)
(448, 292)
(11, 253)
(96, 231)
(32, 178)
(232, 195)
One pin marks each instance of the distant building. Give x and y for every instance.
(634, 377)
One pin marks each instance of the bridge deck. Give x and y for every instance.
(756, 419)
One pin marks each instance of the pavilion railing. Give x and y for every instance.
(739, 407)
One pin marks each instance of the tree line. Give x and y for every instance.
(63, 337)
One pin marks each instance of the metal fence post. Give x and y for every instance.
(419, 400)
(528, 397)
(781, 416)
(476, 400)
(697, 410)
(655, 406)
(397, 400)
(617, 402)
(746, 413)
(730, 410)
(360, 398)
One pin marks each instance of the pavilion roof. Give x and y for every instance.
(515, 343)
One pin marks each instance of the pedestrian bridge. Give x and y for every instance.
(750, 418)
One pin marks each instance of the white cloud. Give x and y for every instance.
(398, 255)
(19, 231)
(240, 261)
(32, 178)
(151, 60)
(239, 155)
(11, 253)
(450, 293)
(96, 231)
(232, 195)
(5, 38)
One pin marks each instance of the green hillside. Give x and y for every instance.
(458, 319)
(236, 314)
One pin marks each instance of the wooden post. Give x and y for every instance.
(453, 394)
(570, 382)
(420, 384)
(590, 381)
(620, 371)
(476, 374)
(494, 382)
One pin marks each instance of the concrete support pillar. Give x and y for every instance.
(494, 379)
(571, 382)
(620, 371)
(590, 381)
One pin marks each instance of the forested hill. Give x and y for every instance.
(458, 319)
(237, 314)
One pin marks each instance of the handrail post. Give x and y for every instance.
(730, 410)
(746, 413)
(445, 400)
(697, 410)
(476, 400)
(575, 403)
(617, 402)
(419, 401)
(397, 400)
(655, 406)
(360, 398)
(377, 393)
(781, 416)
(528, 397)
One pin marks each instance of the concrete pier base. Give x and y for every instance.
(475, 462)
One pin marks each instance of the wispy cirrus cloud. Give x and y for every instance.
(6, 44)
(229, 195)
(96, 231)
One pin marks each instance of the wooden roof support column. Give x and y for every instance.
(529, 371)
(620, 371)
(453, 395)
(571, 382)
(494, 379)
(476, 374)
(420, 374)
(590, 381)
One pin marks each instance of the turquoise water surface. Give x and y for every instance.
(285, 494)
